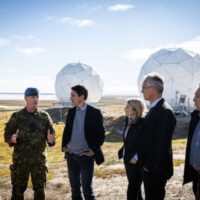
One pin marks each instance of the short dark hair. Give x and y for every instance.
(80, 90)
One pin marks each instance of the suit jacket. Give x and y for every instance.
(131, 140)
(94, 131)
(189, 173)
(155, 150)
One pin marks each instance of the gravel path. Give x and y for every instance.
(105, 189)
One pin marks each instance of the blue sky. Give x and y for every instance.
(39, 37)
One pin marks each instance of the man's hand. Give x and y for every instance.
(133, 161)
(14, 137)
(50, 137)
(89, 153)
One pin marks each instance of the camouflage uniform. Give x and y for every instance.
(29, 155)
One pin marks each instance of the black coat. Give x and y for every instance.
(189, 173)
(155, 150)
(94, 131)
(131, 140)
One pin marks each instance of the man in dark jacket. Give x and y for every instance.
(155, 150)
(82, 139)
(192, 160)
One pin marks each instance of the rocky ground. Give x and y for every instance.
(105, 189)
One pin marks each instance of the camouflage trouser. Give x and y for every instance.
(20, 176)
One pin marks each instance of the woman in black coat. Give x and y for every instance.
(134, 123)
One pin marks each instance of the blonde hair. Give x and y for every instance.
(139, 107)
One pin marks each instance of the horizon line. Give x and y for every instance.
(44, 93)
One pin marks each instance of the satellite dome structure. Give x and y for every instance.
(181, 71)
(74, 74)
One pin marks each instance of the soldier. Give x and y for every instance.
(28, 130)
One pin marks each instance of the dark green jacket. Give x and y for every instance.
(32, 138)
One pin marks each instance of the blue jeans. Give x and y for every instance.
(80, 172)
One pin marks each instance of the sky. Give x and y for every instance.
(39, 37)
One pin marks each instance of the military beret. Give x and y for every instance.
(31, 92)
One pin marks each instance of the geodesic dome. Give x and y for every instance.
(181, 71)
(74, 74)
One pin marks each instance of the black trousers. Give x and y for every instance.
(80, 172)
(154, 185)
(196, 187)
(134, 175)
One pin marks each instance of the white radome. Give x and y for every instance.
(180, 69)
(74, 74)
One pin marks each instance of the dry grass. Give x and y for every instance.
(4, 172)
(5, 151)
(177, 162)
(179, 141)
(21, 103)
(179, 144)
(56, 157)
(106, 172)
(54, 154)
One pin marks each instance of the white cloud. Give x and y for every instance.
(75, 22)
(120, 87)
(143, 53)
(49, 18)
(18, 37)
(23, 38)
(45, 84)
(84, 22)
(31, 37)
(31, 51)
(87, 7)
(11, 69)
(192, 45)
(7, 69)
(139, 54)
(64, 20)
(120, 7)
(4, 41)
